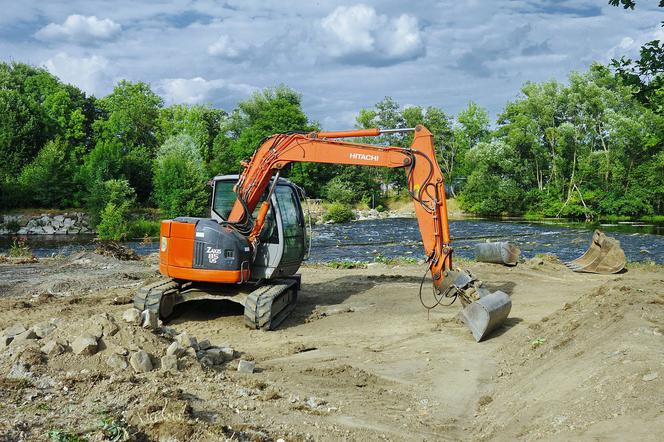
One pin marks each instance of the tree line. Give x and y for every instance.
(590, 146)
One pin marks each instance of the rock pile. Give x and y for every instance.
(44, 224)
(137, 342)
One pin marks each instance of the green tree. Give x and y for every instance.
(126, 137)
(180, 178)
(495, 185)
(202, 123)
(48, 180)
(268, 112)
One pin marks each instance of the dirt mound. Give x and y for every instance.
(62, 369)
(589, 363)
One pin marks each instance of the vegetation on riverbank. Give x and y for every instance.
(589, 148)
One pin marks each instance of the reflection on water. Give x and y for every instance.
(399, 237)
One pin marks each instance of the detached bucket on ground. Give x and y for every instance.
(486, 314)
(604, 256)
(497, 252)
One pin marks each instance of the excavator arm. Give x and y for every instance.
(425, 180)
(483, 310)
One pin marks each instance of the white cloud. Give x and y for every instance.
(227, 47)
(88, 73)
(199, 90)
(81, 29)
(359, 35)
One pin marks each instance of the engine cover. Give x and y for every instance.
(201, 249)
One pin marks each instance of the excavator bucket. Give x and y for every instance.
(604, 256)
(486, 314)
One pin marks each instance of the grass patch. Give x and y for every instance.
(346, 264)
(654, 218)
(396, 260)
(65, 436)
(142, 228)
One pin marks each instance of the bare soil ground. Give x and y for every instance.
(581, 358)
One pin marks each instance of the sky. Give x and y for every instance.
(342, 56)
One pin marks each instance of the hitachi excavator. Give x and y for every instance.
(251, 247)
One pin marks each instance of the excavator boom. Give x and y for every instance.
(425, 184)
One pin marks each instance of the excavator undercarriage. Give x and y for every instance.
(266, 303)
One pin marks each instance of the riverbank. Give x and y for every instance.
(359, 359)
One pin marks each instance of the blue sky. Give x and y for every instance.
(342, 56)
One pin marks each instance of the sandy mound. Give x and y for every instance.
(589, 363)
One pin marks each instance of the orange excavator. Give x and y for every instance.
(250, 248)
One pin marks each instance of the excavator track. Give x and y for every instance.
(158, 297)
(267, 307)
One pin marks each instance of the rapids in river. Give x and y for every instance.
(400, 237)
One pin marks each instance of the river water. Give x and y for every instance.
(400, 237)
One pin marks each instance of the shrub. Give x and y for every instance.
(179, 178)
(341, 191)
(19, 248)
(113, 225)
(339, 213)
(102, 193)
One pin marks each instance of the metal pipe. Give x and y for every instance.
(392, 131)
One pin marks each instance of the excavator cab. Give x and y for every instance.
(283, 240)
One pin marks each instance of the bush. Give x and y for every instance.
(341, 191)
(103, 193)
(113, 225)
(19, 248)
(179, 179)
(339, 213)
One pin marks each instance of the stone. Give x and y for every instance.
(228, 353)
(175, 349)
(169, 363)
(132, 316)
(23, 337)
(140, 362)
(12, 331)
(43, 329)
(48, 229)
(53, 348)
(187, 341)
(216, 355)
(59, 218)
(149, 319)
(650, 376)
(207, 361)
(246, 366)
(102, 325)
(84, 345)
(116, 362)
(204, 344)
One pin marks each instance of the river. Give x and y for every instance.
(400, 237)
